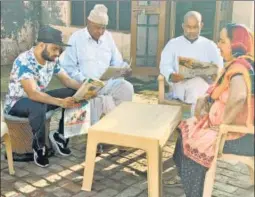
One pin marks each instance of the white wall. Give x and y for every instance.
(243, 12)
(122, 40)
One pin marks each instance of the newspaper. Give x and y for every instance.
(88, 87)
(78, 120)
(115, 72)
(191, 68)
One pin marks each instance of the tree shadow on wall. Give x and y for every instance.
(51, 13)
(14, 15)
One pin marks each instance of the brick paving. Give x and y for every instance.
(117, 174)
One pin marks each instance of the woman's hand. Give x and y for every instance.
(126, 72)
(202, 107)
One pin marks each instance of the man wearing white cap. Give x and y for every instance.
(92, 51)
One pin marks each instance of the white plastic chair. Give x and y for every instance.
(210, 175)
(7, 140)
(161, 95)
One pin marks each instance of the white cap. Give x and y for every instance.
(99, 15)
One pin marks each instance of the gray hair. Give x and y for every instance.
(194, 14)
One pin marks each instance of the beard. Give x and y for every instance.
(192, 36)
(46, 56)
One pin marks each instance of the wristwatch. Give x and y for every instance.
(169, 78)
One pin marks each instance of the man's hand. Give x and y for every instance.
(91, 94)
(126, 72)
(174, 77)
(69, 102)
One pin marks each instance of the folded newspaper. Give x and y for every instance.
(88, 88)
(77, 120)
(115, 71)
(191, 68)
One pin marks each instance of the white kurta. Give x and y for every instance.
(87, 58)
(202, 49)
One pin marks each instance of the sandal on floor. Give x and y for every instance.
(176, 180)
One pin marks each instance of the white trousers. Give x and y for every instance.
(114, 92)
(189, 90)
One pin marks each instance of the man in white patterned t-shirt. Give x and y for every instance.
(27, 97)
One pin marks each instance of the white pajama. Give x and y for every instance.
(115, 92)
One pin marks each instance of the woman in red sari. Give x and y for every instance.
(229, 101)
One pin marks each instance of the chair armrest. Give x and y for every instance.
(236, 129)
(161, 88)
(225, 129)
(4, 129)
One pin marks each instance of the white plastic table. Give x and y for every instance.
(136, 125)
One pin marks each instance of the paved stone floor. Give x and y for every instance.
(117, 173)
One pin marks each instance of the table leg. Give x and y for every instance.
(160, 171)
(90, 163)
(154, 156)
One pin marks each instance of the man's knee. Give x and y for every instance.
(121, 91)
(191, 93)
(62, 92)
(128, 88)
(38, 109)
(70, 92)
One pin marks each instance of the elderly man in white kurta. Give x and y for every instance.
(190, 45)
(92, 51)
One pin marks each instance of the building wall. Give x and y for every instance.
(54, 12)
(11, 48)
(21, 28)
(243, 12)
(21, 34)
(17, 29)
(122, 40)
(62, 19)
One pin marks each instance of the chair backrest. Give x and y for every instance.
(2, 114)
